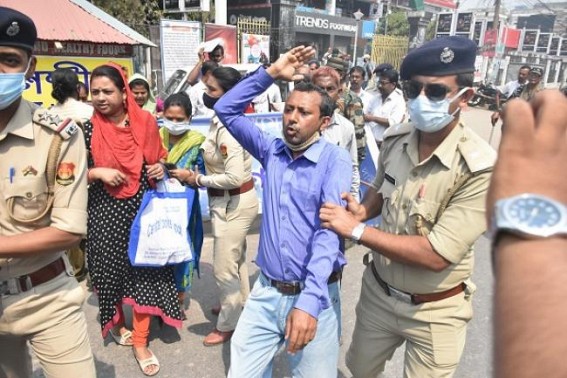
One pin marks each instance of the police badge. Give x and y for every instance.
(447, 55)
(13, 29)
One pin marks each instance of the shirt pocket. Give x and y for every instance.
(422, 217)
(307, 201)
(390, 196)
(26, 198)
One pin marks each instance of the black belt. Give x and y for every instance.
(294, 288)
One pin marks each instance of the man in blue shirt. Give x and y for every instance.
(296, 297)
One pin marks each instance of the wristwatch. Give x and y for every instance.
(357, 232)
(529, 216)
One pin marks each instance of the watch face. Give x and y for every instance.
(533, 214)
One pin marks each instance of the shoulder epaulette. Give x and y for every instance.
(478, 155)
(66, 128)
(399, 129)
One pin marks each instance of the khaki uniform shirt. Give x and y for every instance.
(413, 192)
(24, 146)
(228, 164)
(350, 106)
(528, 93)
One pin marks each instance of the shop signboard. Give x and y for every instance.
(179, 45)
(255, 48)
(38, 87)
(465, 24)
(444, 24)
(543, 43)
(554, 45)
(306, 22)
(529, 40)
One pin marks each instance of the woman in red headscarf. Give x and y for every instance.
(125, 159)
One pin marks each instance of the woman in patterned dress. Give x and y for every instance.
(125, 159)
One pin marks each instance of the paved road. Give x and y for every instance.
(182, 353)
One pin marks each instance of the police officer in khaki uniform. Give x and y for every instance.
(433, 174)
(350, 106)
(42, 213)
(233, 205)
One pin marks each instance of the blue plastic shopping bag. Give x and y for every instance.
(159, 235)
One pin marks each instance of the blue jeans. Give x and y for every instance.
(261, 329)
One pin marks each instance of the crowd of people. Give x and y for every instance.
(80, 171)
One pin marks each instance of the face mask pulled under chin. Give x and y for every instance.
(176, 128)
(12, 86)
(431, 116)
(209, 101)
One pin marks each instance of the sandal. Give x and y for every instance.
(122, 339)
(147, 362)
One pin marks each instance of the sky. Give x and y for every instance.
(510, 4)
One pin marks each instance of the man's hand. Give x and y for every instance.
(201, 55)
(300, 329)
(338, 219)
(533, 150)
(284, 68)
(494, 118)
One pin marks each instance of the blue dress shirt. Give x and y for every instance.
(293, 246)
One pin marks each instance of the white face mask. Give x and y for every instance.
(176, 128)
(431, 116)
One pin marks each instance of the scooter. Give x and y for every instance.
(485, 95)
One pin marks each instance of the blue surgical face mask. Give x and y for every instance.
(12, 86)
(431, 116)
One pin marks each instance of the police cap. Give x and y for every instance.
(383, 67)
(16, 29)
(337, 63)
(440, 57)
(537, 70)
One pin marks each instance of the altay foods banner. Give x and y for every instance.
(38, 87)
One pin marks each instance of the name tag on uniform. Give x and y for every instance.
(390, 179)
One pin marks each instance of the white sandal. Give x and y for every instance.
(147, 362)
(122, 339)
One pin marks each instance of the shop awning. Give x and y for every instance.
(442, 3)
(71, 20)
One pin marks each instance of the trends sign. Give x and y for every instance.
(324, 24)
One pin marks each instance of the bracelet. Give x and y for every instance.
(197, 180)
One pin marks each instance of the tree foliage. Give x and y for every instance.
(397, 24)
(137, 14)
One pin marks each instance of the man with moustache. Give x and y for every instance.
(295, 299)
(386, 109)
(533, 85)
(431, 185)
(340, 130)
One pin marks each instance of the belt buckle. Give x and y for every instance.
(400, 295)
(15, 285)
(4, 288)
(288, 288)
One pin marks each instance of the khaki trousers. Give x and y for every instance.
(51, 319)
(434, 333)
(231, 218)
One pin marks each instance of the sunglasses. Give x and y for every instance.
(434, 92)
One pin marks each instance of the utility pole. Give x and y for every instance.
(496, 21)
(494, 67)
